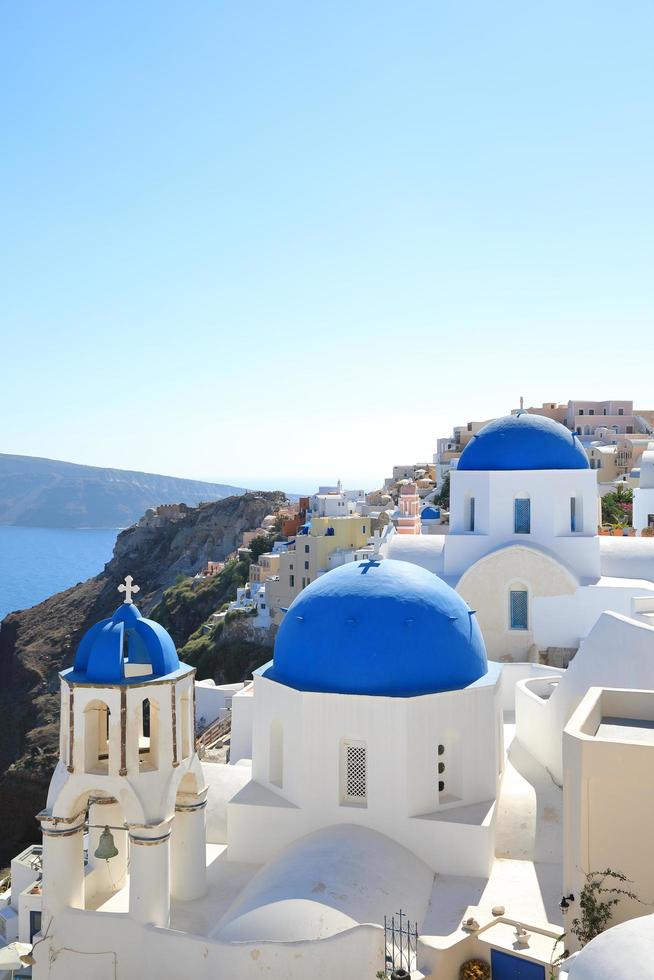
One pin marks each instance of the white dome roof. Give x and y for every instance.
(625, 952)
(326, 883)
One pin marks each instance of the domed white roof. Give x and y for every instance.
(625, 952)
(326, 883)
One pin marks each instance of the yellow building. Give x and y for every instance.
(267, 566)
(328, 542)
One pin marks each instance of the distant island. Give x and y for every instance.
(36, 492)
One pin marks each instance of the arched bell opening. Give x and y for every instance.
(97, 743)
(136, 660)
(185, 721)
(106, 857)
(148, 735)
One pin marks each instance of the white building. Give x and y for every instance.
(608, 747)
(375, 759)
(523, 546)
(329, 733)
(251, 600)
(336, 502)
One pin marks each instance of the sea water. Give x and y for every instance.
(36, 562)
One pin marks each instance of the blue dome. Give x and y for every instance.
(524, 442)
(379, 627)
(430, 514)
(101, 655)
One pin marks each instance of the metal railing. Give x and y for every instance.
(400, 943)
(213, 734)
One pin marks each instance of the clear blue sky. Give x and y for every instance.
(277, 242)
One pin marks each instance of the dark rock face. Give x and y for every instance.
(37, 643)
(38, 492)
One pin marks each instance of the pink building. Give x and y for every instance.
(408, 521)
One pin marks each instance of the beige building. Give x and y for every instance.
(550, 410)
(604, 460)
(267, 566)
(449, 448)
(608, 803)
(327, 542)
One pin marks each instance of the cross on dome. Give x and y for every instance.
(128, 588)
(368, 564)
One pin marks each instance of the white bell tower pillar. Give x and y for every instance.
(149, 879)
(189, 852)
(63, 865)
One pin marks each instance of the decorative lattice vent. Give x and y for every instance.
(355, 771)
(519, 610)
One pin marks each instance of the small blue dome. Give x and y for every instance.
(103, 650)
(381, 627)
(524, 442)
(430, 514)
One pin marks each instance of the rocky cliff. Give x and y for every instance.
(37, 643)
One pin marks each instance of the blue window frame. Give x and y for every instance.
(573, 514)
(522, 515)
(519, 609)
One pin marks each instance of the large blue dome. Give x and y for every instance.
(524, 442)
(126, 638)
(379, 627)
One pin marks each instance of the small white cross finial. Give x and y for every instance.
(128, 588)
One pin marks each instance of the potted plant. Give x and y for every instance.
(475, 970)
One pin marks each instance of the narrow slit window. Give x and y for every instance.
(522, 515)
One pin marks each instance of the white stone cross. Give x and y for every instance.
(128, 588)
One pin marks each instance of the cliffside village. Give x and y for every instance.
(443, 771)
(335, 525)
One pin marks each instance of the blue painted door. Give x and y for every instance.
(507, 967)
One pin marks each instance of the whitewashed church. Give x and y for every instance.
(394, 798)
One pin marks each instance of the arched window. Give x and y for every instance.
(149, 735)
(96, 737)
(522, 514)
(276, 754)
